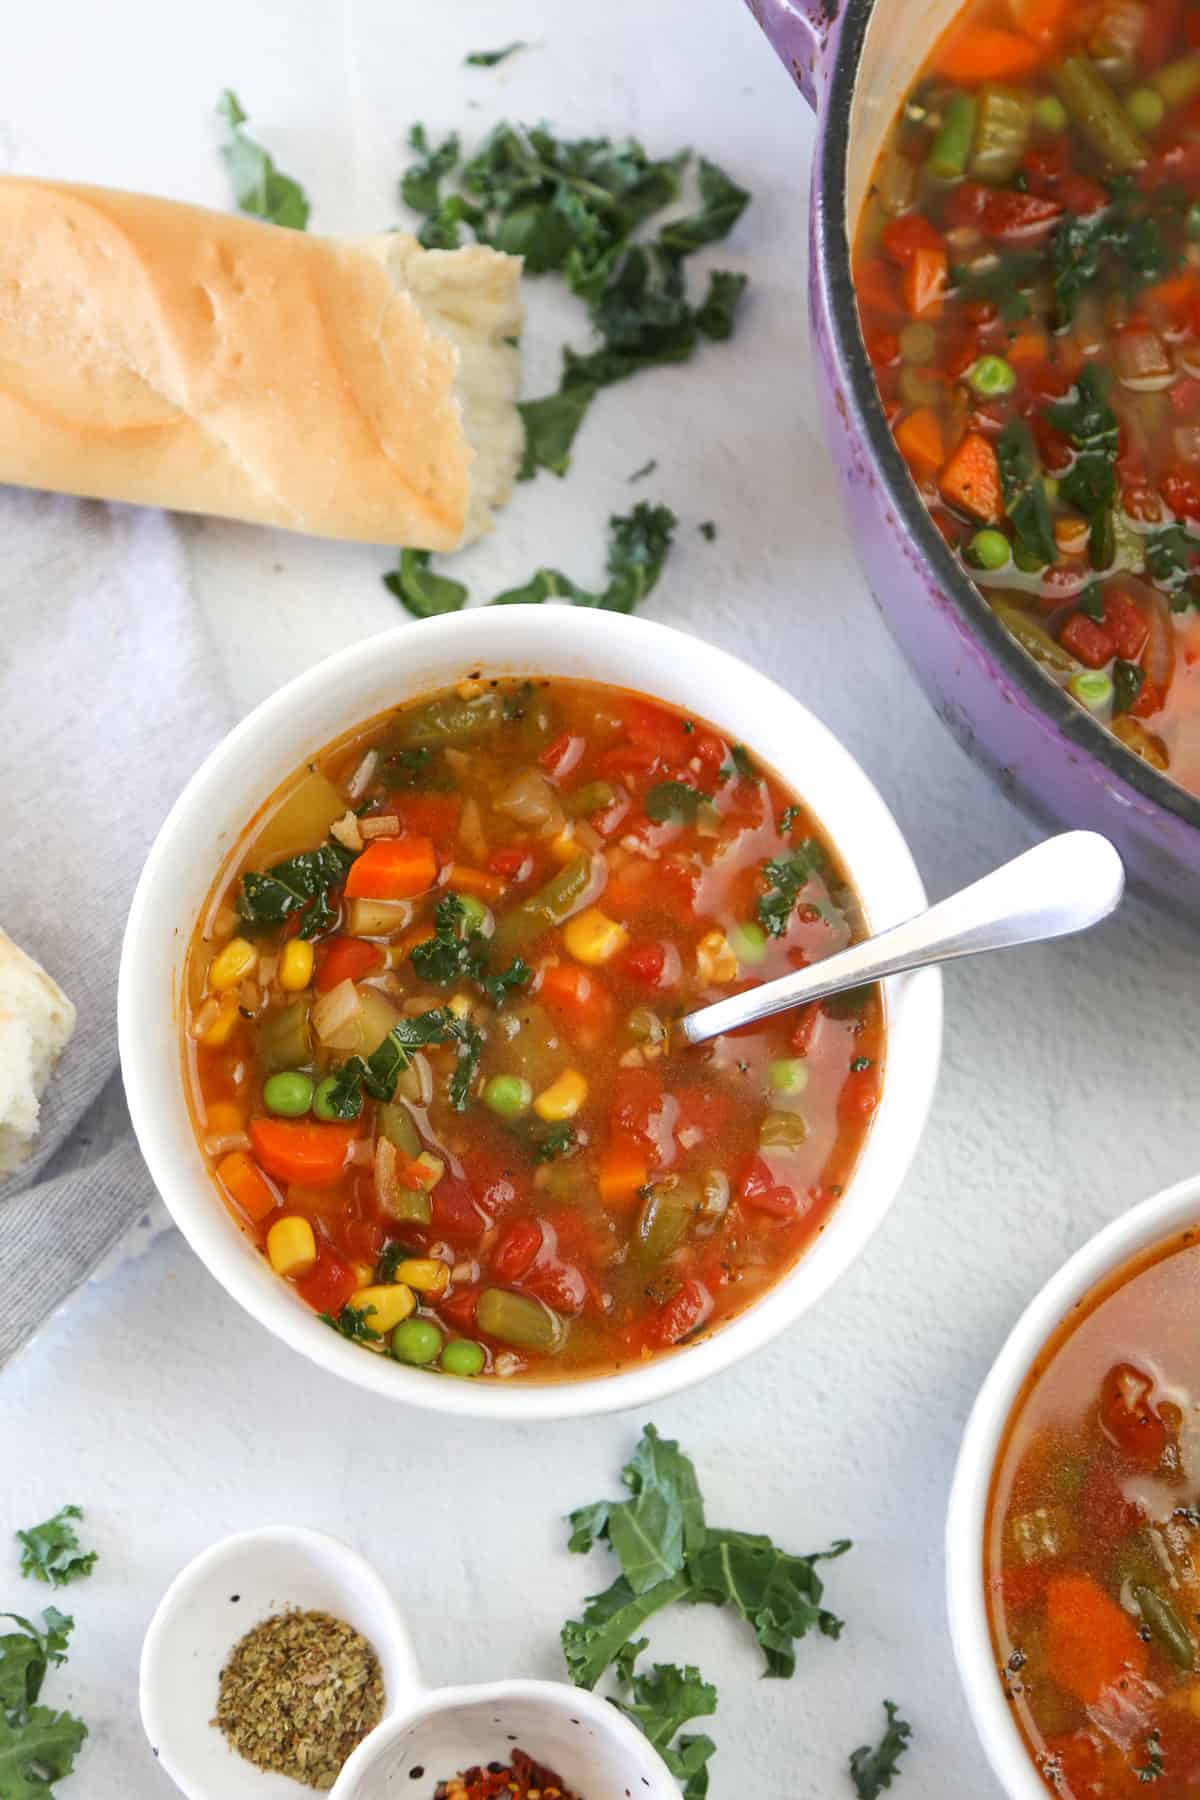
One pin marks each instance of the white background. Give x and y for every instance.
(1070, 1076)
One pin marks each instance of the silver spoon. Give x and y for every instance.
(1060, 886)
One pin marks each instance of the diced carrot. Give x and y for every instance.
(982, 53)
(1090, 1642)
(971, 479)
(924, 284)
(622, 1171)
(579, 997)
(1041, 20)
(876, 286)
(393, 869)
(346, 959)
(247, 1186)
(301, 1150)
(901, 238)
(466, 880)
(1028, 347)
(920, 439)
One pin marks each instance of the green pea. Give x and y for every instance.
(1146, 108)
(290, 1094)
(991, 376)
(789, 1075)
(462, 1356)
(990, 549)
(1093, 689)
(748, 941)
(416, 1341)
(507, 1095)
(1050, 113)
(320, 1100)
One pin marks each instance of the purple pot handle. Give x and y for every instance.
(800, 31)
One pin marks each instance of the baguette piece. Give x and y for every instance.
(36, 1023)
(171, 356)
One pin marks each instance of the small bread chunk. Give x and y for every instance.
(36, 1022)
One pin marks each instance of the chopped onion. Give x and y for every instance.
(470, 831)
(384, 825)
(387, 1177)
(221, 1143)
(206, 1017)
(346, 831)
(362, 777)
(1141, 361)
(530, 800)
(336, 1014)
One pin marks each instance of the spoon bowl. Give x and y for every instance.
(426, 1735)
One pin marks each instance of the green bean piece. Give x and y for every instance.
(714, 1200)
(396, 1124)
(1051, 114)
(549, 906)
(411, 1206)
(1035, 639)
(520, 1320)
(1002, 133)
(1165, 1625)
(538, 720)
(288, 1094)
(951, 147)
(918, 387)
(449, 720)
(283, 1038)
(1180, 80)
(1146, 108)
(1097, 111)
(667, 1213)
(918, 342)
(592, 797)
(782, 1131)
(1027, 560)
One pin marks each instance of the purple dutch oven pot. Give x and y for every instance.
(853, 62)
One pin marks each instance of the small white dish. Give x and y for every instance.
(426, 1734)
(382, 672)
(1152, 1222)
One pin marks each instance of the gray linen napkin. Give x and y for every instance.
(110, 696)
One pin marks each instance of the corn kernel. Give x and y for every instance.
(563, 848)
(592, 937)
(563, 1098)
(291, 1246)
(385, 1304)
(296, 966)
(232, 964)
(715, 958)
(364, 1273)
(222, 1027)
(224, 1118)
(460, 1006)
(425, 1274)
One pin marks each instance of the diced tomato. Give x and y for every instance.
(1150, 699)
(562, 754)
(515, 1253)
(1126, 624)
(1055, 448)
(757, 1188)
(643, 963)
(1088, 641)
(682, 1314)
(456, 1212)
(432, 815)
(458, 1306)
(329, 1284)
(1081, 196)
(1106, 1514)
(1184, 395)
(495, 1179)
(308, 1152)
(883, 348)
(642, 1111)
(345, 959)
(860, 1095)
(1002, 213)
(514, 865)
(363, 1239)
(678, 879)
(1181, 491)
(393, 869)
(580, 998)
(902, 238)
(559, 1285)
(1128, 1417)
(1142, 504)
(1044, 165)
(804, 1024)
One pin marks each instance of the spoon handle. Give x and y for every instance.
(1062, 885)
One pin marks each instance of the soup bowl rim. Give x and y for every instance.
(661, 663)
(1151, 1222)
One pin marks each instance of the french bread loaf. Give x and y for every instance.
(36, 1022)
(171, 356)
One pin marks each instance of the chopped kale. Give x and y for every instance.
(258, 186)
(300, 885)
(874, 1769)
(425, 594)
(784, 877)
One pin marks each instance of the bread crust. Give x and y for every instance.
(171, 356)
(36, 1023)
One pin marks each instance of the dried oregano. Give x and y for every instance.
(298, 1694)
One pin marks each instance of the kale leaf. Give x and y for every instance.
(354, 1323)
(637, 549)
(722, 204)
(51, 1551)
(454, 954)
(37, 1745)
(665, 1698)
(301, 884)
(425, 594)
(487, 59)
(675, 802)
(550, 427)
(609, 1621)
(778, 1594)
(1025, 499)
(873, 1770)
(258, 186)
(555, 1141)
(785, 876)
(27, 1654)
(420, 186)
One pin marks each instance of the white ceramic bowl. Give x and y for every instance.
(1152, 1222)
(399, 665)
(425, 1735)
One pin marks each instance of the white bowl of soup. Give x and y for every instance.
(396, 998)
(1073, 1540)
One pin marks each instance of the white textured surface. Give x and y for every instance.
(1068, 1089)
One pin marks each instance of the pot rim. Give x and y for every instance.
(1080, 734)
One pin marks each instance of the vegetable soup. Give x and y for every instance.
(428, 1031)
(1028, 278)
(1093, 1539)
